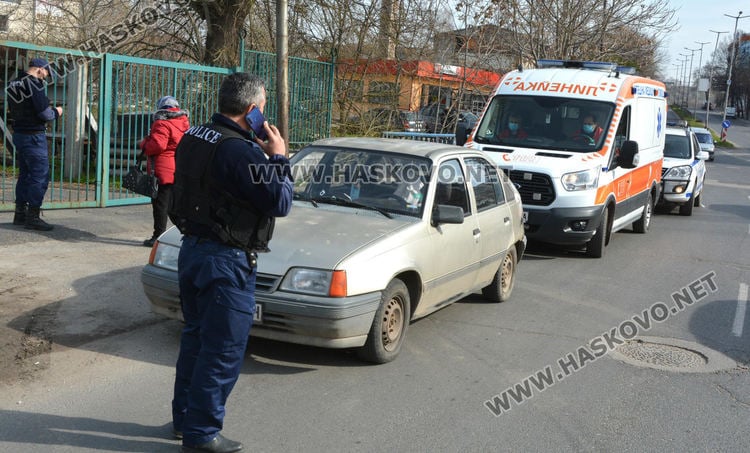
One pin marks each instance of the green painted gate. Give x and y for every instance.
(108, 100)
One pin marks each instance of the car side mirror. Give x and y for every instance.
(444, 213)
(702, 155)
(461, 134)
(628, 154)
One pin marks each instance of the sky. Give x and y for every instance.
(695, 18)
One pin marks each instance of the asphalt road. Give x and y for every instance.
(111, 391)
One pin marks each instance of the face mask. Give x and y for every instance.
(588, 128)
(513, 127)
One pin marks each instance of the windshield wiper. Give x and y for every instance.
(299, 196)
(345, 201)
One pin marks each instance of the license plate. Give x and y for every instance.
(525, 216)
(258, 315)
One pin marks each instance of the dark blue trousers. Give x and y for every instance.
(33, 168)
(217, 293)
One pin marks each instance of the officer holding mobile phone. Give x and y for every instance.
(225, 197)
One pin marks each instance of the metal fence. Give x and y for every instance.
(108, 101)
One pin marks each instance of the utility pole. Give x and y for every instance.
(711, 72)
(700, 62)
(690, 78)
(282, 71)
(731, 65)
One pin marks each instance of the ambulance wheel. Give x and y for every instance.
(642, 225)
(389, 325)
(505, 278)
(595, 247)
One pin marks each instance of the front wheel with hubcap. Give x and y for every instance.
(595, 247)
(389, 325)
(505, 278)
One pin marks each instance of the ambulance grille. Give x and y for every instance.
(535, 188)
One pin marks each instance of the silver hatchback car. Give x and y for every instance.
(382, 232)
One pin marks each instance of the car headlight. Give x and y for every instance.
(681, 172)
(165, 255)
(317, 282)
(581, 180)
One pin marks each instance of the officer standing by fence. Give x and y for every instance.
(30, 110)
(225, 196)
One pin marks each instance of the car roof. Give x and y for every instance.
(677, 131)
(410, 147)
(701, 130)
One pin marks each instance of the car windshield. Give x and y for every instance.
(677, 146)
(544, 122)
(365, 179)
(703, 137)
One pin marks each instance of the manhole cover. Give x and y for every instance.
(670, 354)
(662, 355)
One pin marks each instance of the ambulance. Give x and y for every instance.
(583, 143)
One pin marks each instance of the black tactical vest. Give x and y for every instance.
(201, 207)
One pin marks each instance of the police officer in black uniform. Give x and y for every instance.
(229, 186)
(30, 110)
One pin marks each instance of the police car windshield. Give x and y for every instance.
(677, 146)
(544, 122)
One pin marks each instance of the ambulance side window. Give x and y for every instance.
(622, 134)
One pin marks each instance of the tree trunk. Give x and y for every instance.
(225, 20)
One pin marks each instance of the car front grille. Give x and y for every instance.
(535, 188)
(266, 283)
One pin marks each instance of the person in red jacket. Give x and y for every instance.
(170, 123)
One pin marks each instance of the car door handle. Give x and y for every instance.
(506, 220)
(476, 232)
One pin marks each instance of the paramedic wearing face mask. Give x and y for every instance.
(513, 129)
(589, 129)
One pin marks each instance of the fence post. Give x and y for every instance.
(75, 108)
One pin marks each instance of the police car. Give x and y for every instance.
(683, 170)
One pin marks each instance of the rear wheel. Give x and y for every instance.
(595, 247)
(389, 325)
(505, 278)
(642, 225)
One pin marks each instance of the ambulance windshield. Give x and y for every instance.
(544, 122)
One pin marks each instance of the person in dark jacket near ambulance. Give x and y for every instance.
(229, 185)
(170, 123)
(30, 110)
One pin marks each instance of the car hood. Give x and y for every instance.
(318, 237)
(321, 237)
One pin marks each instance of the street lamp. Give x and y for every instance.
(690, 78)
(731, 63)
(700, 62)
(711, 72)
(684, 79)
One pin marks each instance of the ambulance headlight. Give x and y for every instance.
(581, 180)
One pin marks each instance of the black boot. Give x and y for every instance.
(20, 216)
(33, 222)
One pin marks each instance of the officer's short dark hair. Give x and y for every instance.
(238, 91)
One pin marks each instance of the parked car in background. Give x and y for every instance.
(382, 232)
(683, 170)
(386, 119)
(706, 140)
(731, 112)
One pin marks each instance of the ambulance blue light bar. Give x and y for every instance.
(595, 65)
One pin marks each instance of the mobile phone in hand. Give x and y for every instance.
(255, 120)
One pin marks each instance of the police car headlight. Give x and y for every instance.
(165, 255)
(581, 180)
(316, 282)
(681, 172)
